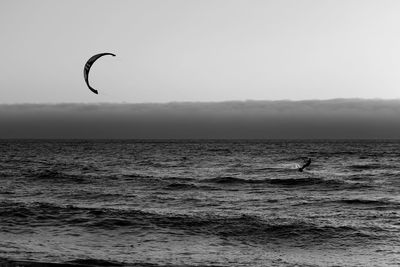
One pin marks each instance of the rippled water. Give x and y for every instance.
(223, 203)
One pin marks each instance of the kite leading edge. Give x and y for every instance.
(88, 65)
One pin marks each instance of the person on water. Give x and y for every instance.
(308, 163)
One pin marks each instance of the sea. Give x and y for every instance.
(199, 203)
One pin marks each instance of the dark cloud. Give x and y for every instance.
(339, 118)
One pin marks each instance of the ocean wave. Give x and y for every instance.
(54, 175)
(94, 262)
(254, 229)
(275, 181)
(376, 203)
(6, 192)
(283, 230)
(7, 173)
(230, 180)
(89, 262)
(186, 186)
(137, 176)
(72, 263)
(249, 228)
(221, 150)
(95, 195)
(280, 169)
(151, 163)
(373, 166)
(145, 177)
(48, 214)
(306, 181)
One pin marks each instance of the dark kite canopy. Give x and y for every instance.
(88, 65)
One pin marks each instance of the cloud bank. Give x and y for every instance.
(327, 119)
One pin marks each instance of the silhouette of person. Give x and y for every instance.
(308, 163)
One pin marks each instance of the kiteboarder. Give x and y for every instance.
(308, 162)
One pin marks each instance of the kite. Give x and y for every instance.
(88, 65)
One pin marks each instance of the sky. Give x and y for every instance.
(208, 50)
(310, 119)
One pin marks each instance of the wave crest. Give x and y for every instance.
(276, 181)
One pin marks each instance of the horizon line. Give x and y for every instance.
(199, 139)
(202, 102)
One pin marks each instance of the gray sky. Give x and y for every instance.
(337, 119)
(185, 50)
